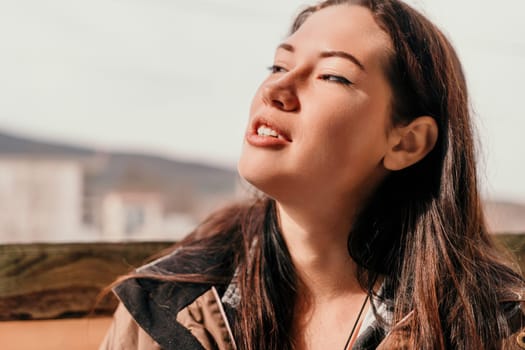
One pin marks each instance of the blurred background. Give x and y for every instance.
(123, 120)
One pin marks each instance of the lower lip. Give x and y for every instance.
(265, 141)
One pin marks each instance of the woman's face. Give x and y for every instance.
(319, 122)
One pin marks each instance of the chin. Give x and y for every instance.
(250, 172)
(265, 180)
(250, 166)
(270, 172)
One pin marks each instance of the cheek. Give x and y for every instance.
(344, 129)
(353, 139)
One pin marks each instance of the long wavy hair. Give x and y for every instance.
(423, 229)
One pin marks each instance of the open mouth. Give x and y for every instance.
(264, 129)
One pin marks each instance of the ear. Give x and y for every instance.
(409, 144)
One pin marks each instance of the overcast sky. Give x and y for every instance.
(176, 77)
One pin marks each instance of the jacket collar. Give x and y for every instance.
(155, 303)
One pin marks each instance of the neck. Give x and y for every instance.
(317, 242)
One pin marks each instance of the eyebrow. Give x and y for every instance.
(329, 53)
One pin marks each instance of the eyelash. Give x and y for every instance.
(276, 69)
(328, 77)
(336, 78)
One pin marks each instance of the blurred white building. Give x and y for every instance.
(141, 215)
(131, 214)
(43, 199)
(40, 199)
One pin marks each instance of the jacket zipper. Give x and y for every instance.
(224, 317)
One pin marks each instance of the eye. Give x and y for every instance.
(336, 79)
(276, 69)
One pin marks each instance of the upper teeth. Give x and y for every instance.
(266, 131)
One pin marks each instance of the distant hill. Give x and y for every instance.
(183, 181)
(106, 171)
(12, 144)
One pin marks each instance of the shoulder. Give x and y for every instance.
(124, 333)
(200, 325)
(158, 295)
(175, 280)
(157, 292)
(510, 321)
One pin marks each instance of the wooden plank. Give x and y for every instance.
(46, 281)
(40, 281)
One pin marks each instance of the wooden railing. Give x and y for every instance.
(59, 283)
(48, 281)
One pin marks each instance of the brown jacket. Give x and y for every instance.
(157, 315)
(206, 321)
(204, 318)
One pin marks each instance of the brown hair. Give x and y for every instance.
(423, 228)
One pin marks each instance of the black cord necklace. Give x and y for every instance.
(356, 323)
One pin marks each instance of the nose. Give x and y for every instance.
(281, 94)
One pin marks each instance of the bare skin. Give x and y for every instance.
(328, 309)
(335, 144)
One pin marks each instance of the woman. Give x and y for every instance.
(370, 232)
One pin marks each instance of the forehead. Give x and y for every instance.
(350, 28)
